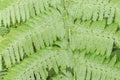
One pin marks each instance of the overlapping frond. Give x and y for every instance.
(14, 12)
(42, 62)
(95, 10)
(86, 66)
(85, 31)
(94, 67)
(36, 33)
(95, 36)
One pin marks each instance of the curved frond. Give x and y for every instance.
(42, 62)
(95, 10)
(36, 33)
(59, 39)
(14, 12)
(95, 67)
(95, 37)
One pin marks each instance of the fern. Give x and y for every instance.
(87, 66)
(15, 11)
(31, 36)
(95, 67)
(94, 10)
(87, 34)
(43, 62)
(59, 40)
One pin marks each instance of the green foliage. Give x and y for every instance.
(14, 12)
(2, 74)
(91, 36)
(3, 31)
(94, 67)
(95, 10)
(59, 40)
(42, 63)
(31, 36)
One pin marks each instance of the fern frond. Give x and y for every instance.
(95, 67)
(36, 33)
(95, 37)
(14, 12)
(42, 62)
(94, 10)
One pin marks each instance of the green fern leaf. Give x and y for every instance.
(95, 10)
(20, 11)
(26, 39)
(95, 69)
(37, 59)
(87, 34)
